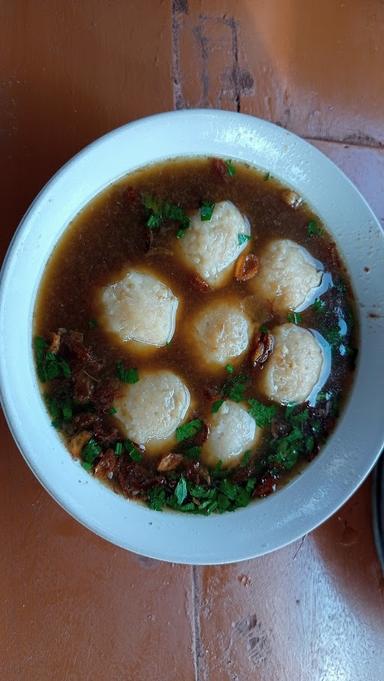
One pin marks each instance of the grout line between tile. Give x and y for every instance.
(196, 633)
(176, 8)
(376, 146)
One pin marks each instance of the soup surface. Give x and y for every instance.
(194, 335)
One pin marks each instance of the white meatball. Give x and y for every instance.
(221, 333)
(211, 247)
(287, 275)
(139, 307)
(294, 367)
(232, 432)
(151, 409)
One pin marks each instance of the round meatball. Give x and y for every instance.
(221, 333)
(287, 275)
(294, 367)
(211, 247)
(232, 432)
(140, 308)
(151, 409)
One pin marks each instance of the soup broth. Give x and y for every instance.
(140, 225)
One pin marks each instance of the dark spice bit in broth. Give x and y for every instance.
(82, 368)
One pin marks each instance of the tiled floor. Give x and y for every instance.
(73, 608)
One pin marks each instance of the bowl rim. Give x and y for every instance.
(218, 120)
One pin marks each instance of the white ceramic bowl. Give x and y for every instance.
(351, 451)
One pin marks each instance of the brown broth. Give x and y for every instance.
(110, 234)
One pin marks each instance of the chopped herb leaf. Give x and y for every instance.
(180, 233)
(156, 498)
(263, 329)
(162, 211)
(59, 410)
(119, 448)
(126, 375)
(133, 452)
(176, 213)
(91, 451)
(193, 453)
(206, 210)
(205, 500)
(87, 466)
(319, 305)
(243, 498)
(229, 368)
(239, 496)
(112, 411)
(67, 411)
(203, 505)
(309, 443)
(250, 485)
(92, 324)
(187, 508)
(323, 396)
(235, 387)
(216, 406)
(294, 317)
(154, 221)
(218, 470)
(230, 489)
(298, 419)
(242, 238)
(231, 170)
(262, 413)
(188, 430)
(227, 495)
(314, 229)
(245, 459)
(287, 450)
(136, 455)
(181, 491)
(48, 364)
(151, 203)
(223, 503)
(289, 409)
(40, 346)
(266, 176)
(333, 336)
(54, 410)
(200, 492)
(212, 506)
(65, 368)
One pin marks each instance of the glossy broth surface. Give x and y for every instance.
(109, 236)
